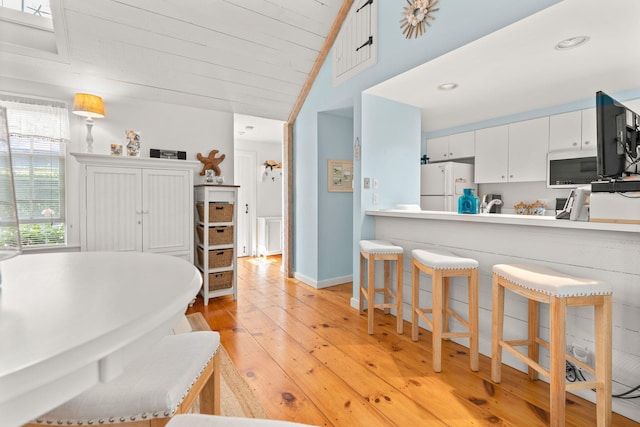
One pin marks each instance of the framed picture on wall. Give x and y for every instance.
(340, 176)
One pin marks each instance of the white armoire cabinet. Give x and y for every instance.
(136, 204)
(216, 241)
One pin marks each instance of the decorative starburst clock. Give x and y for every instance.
(416, 15)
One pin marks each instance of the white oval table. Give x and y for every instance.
(70, 320)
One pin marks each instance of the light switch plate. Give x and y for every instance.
(367, 183)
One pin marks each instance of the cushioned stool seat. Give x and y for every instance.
(154, 387)
(380, 250)
(441, 265)
(211, 421)
(541, 284)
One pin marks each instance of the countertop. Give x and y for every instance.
(526, 220)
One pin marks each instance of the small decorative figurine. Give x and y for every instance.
(210, 162)
(133, 143)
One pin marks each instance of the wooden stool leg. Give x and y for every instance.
(445, 304)
(534, 330)
(386, 285)
(497, 330)
(362, 295)
(557, 360)
(603, 361)
(210, 394)
(473, 320)
(436, 319)
(415, 300)
(371, 288)
(399, 285)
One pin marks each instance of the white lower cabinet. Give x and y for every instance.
(137, 204)
(516, 152)
(216, 221)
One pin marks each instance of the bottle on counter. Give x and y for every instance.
(468, 203)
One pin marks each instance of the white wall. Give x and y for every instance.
(163, 126)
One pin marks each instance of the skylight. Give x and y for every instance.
(30, 7)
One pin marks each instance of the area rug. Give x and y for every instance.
(236, 397)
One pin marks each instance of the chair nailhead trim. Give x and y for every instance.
(144, 415)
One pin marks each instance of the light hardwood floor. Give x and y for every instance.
(307, 356)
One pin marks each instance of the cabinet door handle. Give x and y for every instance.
(246, 207)
(586, 142)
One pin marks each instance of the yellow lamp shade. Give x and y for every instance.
(87, 105)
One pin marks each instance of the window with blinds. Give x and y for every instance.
(38, 132)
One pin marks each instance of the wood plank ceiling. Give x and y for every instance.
(244, 56)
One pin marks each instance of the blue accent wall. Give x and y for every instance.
(456, 23)
(335, 209)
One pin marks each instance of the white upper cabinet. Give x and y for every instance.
(492, 154)
(462, 145)
(528, 147)
(512, 153)
(452, 147)
(575, 130)
(438, 149)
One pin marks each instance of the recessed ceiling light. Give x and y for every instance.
(572, 42)
(448, 86)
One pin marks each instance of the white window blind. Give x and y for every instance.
(38, 132)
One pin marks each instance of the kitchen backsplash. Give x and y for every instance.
(525, 192)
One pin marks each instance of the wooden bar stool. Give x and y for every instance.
(380, 250)
(543, 285)
(441, 266)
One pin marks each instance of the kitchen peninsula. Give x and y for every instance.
(604, 251)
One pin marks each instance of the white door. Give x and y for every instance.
(245, 168)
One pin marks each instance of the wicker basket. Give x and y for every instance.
(217, 257)
(222, 280)
(218, 211)
(217, 235)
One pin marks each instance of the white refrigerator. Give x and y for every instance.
(442, 183)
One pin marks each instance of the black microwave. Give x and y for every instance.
(570, 169)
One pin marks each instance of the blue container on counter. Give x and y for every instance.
(468, 203)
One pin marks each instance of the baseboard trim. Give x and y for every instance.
(323, 283)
